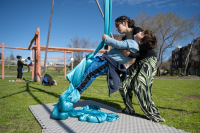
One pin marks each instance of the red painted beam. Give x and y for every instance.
(34, 38)
(52, 58)
(70, 49)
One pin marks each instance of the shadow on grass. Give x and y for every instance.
(13, 94)
(65, 127)
(177, 109)
(101, 101)
(49, 93)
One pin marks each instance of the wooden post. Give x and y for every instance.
(2, 60)
(35, 64)
(38, 65)
(65, 64)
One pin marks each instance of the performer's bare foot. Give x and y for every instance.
(119, 111)
(152, 121)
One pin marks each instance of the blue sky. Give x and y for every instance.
(20, 18)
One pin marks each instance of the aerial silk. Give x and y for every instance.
(90, 113)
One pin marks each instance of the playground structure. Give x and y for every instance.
(36, 49)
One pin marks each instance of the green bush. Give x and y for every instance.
(174, 72)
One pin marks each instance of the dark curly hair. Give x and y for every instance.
(149, 41)
(18, 57)
(131, 23)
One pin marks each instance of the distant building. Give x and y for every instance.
(50, 63)
(179, 56)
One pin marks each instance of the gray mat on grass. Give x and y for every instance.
(125, 123)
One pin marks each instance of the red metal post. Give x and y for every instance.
(2, 60)
(65, 64)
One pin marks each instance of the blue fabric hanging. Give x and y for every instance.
(90, 113)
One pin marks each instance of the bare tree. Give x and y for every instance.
(12, 56)
(193, 55)
(168, 27)
(7, 60)
(59, 69)
(81, 43)
(192, 52)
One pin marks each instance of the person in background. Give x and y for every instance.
(30, 63)
(20, 65)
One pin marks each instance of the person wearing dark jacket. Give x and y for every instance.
(20, 65)
(140, 77)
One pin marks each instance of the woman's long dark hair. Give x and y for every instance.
(131, 23)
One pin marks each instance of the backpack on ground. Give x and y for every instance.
(47, 80)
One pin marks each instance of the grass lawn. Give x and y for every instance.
(177, 77)
(12, 71)
(177, 100)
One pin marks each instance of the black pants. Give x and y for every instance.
(19, 72)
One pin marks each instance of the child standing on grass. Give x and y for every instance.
(30, 63)
(113, 61)
(20, 65)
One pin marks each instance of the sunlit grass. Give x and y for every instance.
(177, 100)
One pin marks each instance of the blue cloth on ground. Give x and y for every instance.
(91, 113)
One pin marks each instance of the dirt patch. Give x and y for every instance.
(193, 97)
(51, 68)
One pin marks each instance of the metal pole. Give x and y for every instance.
(48, 37)
(100, 8)
(2, 60)
(72, 62)
(65, 65)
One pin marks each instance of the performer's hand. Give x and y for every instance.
(104, 37)
(125, 52)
